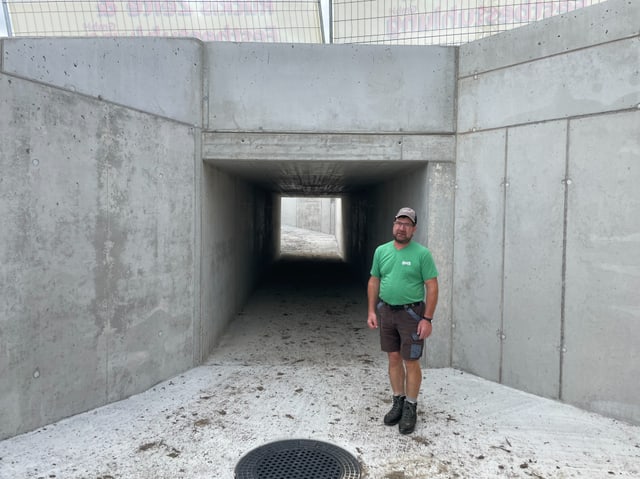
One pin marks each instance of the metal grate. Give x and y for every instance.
(391, 22)
(298, 459)
(438, 22)
(287, 21)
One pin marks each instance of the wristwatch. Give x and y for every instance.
(428, 319)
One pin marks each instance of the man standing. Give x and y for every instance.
(400, 273)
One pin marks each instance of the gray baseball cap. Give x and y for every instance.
(408, 212)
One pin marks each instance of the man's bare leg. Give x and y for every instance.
(397, 375)
(413, 379)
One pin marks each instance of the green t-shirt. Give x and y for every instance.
(403, 272)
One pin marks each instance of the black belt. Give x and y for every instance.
(396, 307)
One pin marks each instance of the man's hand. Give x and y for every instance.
(424, 329)
(372, 321)
(373, 288)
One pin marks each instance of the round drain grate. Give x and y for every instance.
(298, 459)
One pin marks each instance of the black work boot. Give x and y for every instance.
(393, 416)
(408, 419)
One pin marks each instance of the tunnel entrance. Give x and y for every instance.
(309, 227)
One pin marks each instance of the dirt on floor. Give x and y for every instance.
(299, 362)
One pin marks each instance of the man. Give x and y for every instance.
(401, 271)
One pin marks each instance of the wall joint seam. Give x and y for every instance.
(505, 185)
(563, 277)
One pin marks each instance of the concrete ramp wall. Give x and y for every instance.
(547, 251)
(100, 272)
(160, 76)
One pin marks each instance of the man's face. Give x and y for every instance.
(403, 229)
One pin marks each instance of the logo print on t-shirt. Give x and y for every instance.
(406, 263)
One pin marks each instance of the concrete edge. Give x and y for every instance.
(619, 19)
(327, 147)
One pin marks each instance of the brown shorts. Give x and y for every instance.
(398, 331)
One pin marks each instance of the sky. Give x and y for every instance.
(3, 22)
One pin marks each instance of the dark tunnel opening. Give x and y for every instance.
(310, 267)
(304, 311)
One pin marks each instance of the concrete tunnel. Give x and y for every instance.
(380, 126)
(141, 207)
(349, 167)
(361, 170)
(325, 166)
(304, 168)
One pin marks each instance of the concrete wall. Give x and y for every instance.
(602, 305)
(98, 252)
(330, 88)
(547, 254)
(239, 228)
(315, 214)
(289, 211)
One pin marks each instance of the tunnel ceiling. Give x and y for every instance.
(307, 164)
(314, 178)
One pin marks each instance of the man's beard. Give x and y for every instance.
(404, 240)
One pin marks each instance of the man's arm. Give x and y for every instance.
(424, 326)
(432, 297)
(373, 290)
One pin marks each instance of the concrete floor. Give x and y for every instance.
(299, 362)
